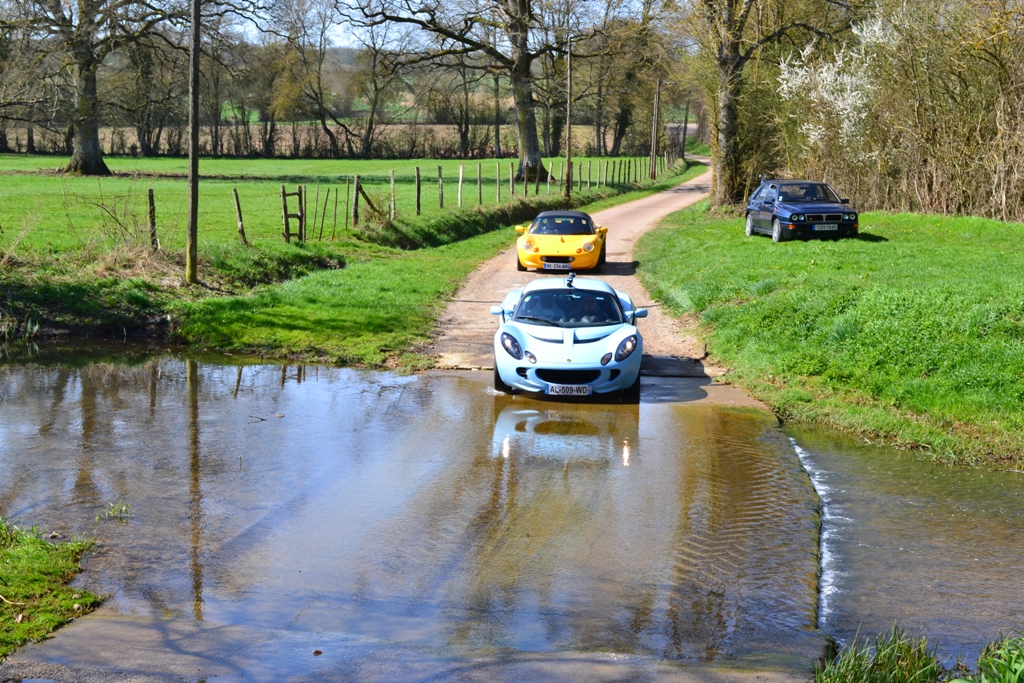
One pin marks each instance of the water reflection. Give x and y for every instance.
(419, 510)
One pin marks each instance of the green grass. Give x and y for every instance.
(368, 313)
(912, 334)
(1000, 662)
(33, 581)
(894, 657)
(46, 212)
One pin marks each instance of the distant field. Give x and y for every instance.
(913, 333)
(44, 210)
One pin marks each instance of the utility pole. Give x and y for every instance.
(192, 251)
(653, 165)
(568, 123)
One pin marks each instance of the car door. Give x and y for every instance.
(766, 208)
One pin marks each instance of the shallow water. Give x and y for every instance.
(422, 511)
(937, 549)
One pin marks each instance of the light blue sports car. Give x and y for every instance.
(568, 337)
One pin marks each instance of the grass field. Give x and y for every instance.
(354, 299)
(42, 210)
(913, 333)
(372, 312)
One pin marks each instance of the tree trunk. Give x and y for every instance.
(728, 187)
(87, 156)
(622, 123)
(497, 117)
(5, 146)
(526, 123)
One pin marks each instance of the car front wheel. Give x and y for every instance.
(519, 264)
(632, 393)
(776, 230)
(499, 384)
(750, 225)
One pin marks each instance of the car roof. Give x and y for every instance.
(791, 181)
(587, 284)
(563, 214)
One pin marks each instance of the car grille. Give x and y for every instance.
(828, 217)
(557, 259)
(568, 376)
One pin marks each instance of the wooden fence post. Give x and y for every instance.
(497, 181)
(461, 170)
(417, 190)
(154, 243)
(394, 208)
(512, 178)
(238, 214)
(589, 162)
(355, 201)
(479, 184)
(440, 188)
(323, 215)
(284, 214)
(549, 177)
(536, 182)
(334, 229)
(348, 185)
(316, 206)
(302, 213)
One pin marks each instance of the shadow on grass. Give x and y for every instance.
(870, 237)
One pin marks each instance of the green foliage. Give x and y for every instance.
(1000, 662)
(118, 512)
(911, 333)
(33, 583)
(891, 658)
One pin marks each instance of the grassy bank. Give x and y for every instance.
(368, 313)
(365, 296)
(33, 583)
(912, 334)
(894, 657)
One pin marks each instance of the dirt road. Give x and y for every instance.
(670, 347)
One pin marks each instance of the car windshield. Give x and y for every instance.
(568, 308)
(807, 192)
(562, 225)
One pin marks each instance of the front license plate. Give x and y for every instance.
(826, 226)
(569, 390)
(557, 266)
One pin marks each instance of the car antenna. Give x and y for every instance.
(572, 276)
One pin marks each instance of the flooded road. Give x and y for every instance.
(427, 528)
(409, 528)
(937, 549)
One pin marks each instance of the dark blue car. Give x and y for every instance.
(799, 209)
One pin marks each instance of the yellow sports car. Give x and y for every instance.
(561, 241)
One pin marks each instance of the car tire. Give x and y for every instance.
(632, 393)
(600, 262)
(777, 231)
(519, 264)
(750, 226)
(499, 384)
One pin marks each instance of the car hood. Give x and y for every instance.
(561, 344)
(814, 207)
(559, 244)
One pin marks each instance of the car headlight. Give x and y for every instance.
(527, 245)
(796, 217)
(530, 357)
(626, 347)
(509, 343)
(849, 216)
(588, 247)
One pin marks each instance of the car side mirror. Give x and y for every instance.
(520, 229)
(845, 200)
(602, 230)
(496, 310)
(640, 313)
